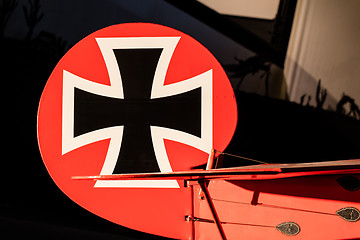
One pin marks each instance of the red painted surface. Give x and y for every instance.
(248, 202)
(249, 205)
(158, 211)
(253, 209)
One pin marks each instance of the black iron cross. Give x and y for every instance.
(137, 111)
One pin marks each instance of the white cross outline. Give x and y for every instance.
(115, 90)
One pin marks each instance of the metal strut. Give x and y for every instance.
(204, 188)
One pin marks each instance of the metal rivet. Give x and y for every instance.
(288, 228)
(349, 214)
(349, 183)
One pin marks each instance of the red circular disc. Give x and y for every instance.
(134, 98)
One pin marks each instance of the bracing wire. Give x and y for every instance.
(245, 158)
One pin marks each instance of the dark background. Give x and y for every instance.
(36, 34)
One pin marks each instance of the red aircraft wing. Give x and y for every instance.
(217, 195)
(253, 172)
